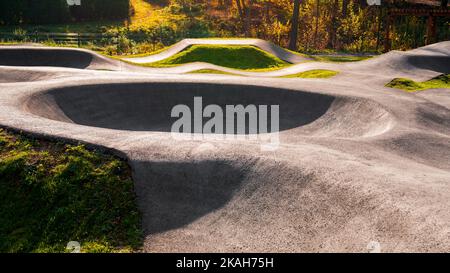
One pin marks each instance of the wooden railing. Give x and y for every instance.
(65, 38)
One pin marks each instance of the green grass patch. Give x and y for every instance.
(441, 81)
(340, 58)
(211, 71)
(316, 73)
(54, 193)
(237, 57)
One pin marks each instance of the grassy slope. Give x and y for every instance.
(340, 59)
(442, 81)
(238, 57)
(53, 193)
(211, 71)
(316, 73)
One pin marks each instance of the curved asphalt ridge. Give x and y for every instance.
(275, 50)
(358, 162)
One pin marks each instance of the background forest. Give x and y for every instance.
(144, 25)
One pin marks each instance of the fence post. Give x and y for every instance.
(78, 38)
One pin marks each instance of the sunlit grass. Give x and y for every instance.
(212, 71)
(340, 58)
(442, 81)
(316, 73)
(238, 57)
(54, 193)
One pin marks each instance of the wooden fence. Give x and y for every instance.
(75, 39)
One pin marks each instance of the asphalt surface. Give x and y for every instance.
(357, 162)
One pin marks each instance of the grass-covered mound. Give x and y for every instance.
(316, 73)
(311, 74)
(442, 81)
(53, 193)
(238, 57)
(212, 71)
(340, 58)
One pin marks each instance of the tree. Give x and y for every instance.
(248, 15)
(316, 29)
(333, 25)
(240, 10)
(294, 25)
(344, 8)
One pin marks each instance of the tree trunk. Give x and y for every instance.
(239, 7)
(363, 4)
(248, 14)
(316, 30)
(241, 14)
(244, 6)
(431, 30)
(387, 39)
(380, 16)
(267, 11)
(333, 26)
(344, 8)
(294, 26)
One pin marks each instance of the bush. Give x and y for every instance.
(20, 34)
(124, 45)
(188, 7)
(192, 28)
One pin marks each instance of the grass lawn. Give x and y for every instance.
(211, 71)
(238, 57)
(54, 193)
(339, 58)
(316, 73)
(312, 74)
(442, 81)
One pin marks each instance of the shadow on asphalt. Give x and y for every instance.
(174, 194)
(148, 106)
